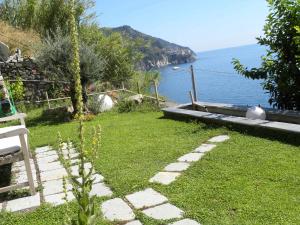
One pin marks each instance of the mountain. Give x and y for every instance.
(157, 52)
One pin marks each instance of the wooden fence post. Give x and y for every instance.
(156, 92)
(138, 88)
(194, 84)
(192, 100)
(47, 98)
(123, 86)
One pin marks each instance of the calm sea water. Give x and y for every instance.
(212, 84)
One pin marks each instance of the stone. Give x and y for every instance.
(205, 148)
(72, 155)
(146, 198)
(58, 199)
(117, 210)
(22, 164)
(53, 174)
(191, 157)
(164, 212)
(185, 222)
(50, 166)
(177, 167)
(54, 187)
(97, 178)
(23, 203)
(45, 154)
(75, 169)
(100, 190)
(47, 159)
(164, 178)
(220, 138)
(4, 52)
(42, 149)
(135, 222)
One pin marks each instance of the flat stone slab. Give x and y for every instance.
(136, 222)
(75, 169)
(177, 167)
(42, 149)
(48, 159)
(205, 148)
(58, 199)
(23, 203)
(191, 157)
(185, 222)
(54, 187)
(220, 138)
(117, 210)
(146, 198)
(164, 212)
(100, 190)
(97, 178)
(53, 174)
(45, 154)
(50, 166)
(164, 178)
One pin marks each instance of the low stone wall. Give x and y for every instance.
(35, 82)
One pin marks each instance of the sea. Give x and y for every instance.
(216, 79)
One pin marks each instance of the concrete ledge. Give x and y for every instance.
(222, 118)
(286, 116)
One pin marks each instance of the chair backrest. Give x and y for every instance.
(7, 106)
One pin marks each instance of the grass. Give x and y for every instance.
(247, 180)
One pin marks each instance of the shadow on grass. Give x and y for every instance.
(270, 134)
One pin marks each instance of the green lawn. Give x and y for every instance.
(246, 180)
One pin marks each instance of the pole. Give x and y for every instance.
(156, 92)
(123, 87)
(194, 84)
(192, 100)
(138, 87)
(47, 98)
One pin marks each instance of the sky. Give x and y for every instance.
(199, 24)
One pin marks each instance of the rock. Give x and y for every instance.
(4, 52)
(146, 198)
(105, 103)
(136, 98)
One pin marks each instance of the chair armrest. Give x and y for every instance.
(13, 132)
(18, 116)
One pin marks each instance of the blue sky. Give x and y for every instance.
(199, 24)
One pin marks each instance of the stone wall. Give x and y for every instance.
(35, 83)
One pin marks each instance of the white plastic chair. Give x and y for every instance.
(14, 147)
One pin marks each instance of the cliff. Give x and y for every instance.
(157, 52)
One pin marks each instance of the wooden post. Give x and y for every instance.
(194, 84)
(47, 98)
(123, 86)
(138, 88)
(156, 92)
(192, 100)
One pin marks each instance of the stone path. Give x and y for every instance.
(172, 171)
(48, 173)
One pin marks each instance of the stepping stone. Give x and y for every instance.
(53, 174)
(164, 212)
(48, 159)
(22, 164)
(54, 187)
(50, 166)
(205, 148)
(45, 154)
(146, 198)
(72, 151)
(72, 155)
(177, 167)
(58, 199)
(75, 169)
(117, 210)
(23, 203)
(219, 139)
(185, 222)
(97, 178)
(164, 178)
(100, 190)
(136, 222)
(43, 149)
(191, 157)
